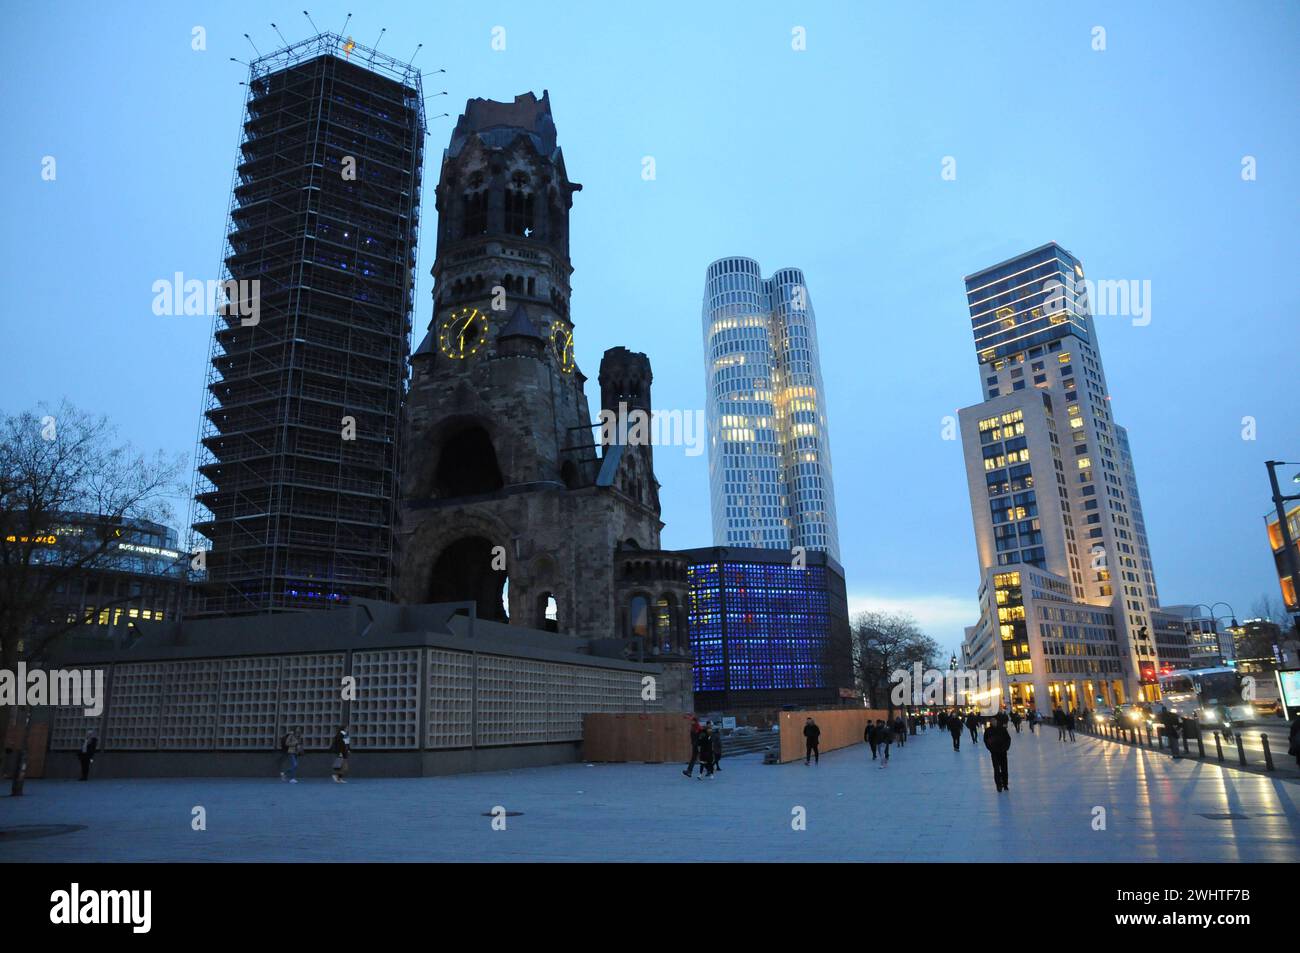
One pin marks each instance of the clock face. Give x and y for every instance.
(462, 333)
(562, 345)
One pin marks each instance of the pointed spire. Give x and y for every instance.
(520, 325)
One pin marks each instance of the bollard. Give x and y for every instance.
(1217, 746)
(1200, 745)
(1268, 754)
(1149, 745)
(1241, 750)
(1186, 749)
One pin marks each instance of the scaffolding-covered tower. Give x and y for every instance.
(324, 216)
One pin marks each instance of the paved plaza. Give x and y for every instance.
(930, 804)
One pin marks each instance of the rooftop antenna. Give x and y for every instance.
(344, 31)
(311, 21)
(253, 45)
(277, 30)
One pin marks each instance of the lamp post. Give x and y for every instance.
(1214, 622)
(1290, 559)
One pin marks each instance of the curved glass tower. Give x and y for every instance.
(769, 444)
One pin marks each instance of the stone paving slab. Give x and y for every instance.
(930, 804)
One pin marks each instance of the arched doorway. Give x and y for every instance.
(463, 573)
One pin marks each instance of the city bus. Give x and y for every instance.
(1201, 693)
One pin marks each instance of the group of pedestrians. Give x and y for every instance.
(1065, 722)
(706, 749)
(881, 734)
(291, 748)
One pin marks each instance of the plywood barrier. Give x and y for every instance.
(651, 737)
(840, 727)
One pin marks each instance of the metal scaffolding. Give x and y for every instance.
(297, 515)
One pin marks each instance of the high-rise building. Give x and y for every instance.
(769, 443)
(298, 458)
(1062, 545)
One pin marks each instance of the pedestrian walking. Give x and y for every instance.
(706, 750)
(717, 750)
(812, 738)
(87, 754)
(943, 720)
(972, 722)
(954, 729)
(887, 735)
(1069, 724)
(342, 750)
(695, 730)
(1031, 716)
(900, 731)
(292, 747)
(1058, 718)
(872, 736)
(1015, 720)
(998, 740)
(1169, 725)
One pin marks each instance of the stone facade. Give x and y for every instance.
(506, 486)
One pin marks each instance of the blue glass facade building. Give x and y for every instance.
(765, 633)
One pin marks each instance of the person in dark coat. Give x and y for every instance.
(1294, 737)
(954, 729)
(900, 731)
(812, 738)
(998, 740)
(1015, 720)
(342, 750)
(973, 723)
(87, 753)
(1169, 727)
(1069, 724)
(695, 747)
(1058, 719)
(717, 750)
(943, 720)
(1031, 718)
(872, 736)
(706, 750)
(887, 735)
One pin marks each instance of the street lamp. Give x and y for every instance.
(1214, 622)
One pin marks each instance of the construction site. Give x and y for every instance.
(297, 457)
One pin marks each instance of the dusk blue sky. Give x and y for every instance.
(827, 159)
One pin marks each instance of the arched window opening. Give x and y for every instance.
(666, 623)
(638, 618)
(548, 613)
(468, 465)
(475, 213)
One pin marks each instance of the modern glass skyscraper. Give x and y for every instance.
(1053, 487)
(769, 444)
(297, 460)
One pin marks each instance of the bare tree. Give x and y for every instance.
(884, 642)
(54, 465)
(1271, 608)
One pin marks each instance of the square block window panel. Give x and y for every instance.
(450, 695)
(386, 711)
(248, 705)
(311, 697)
(136, 707)
(69, 724)
(189, 705)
